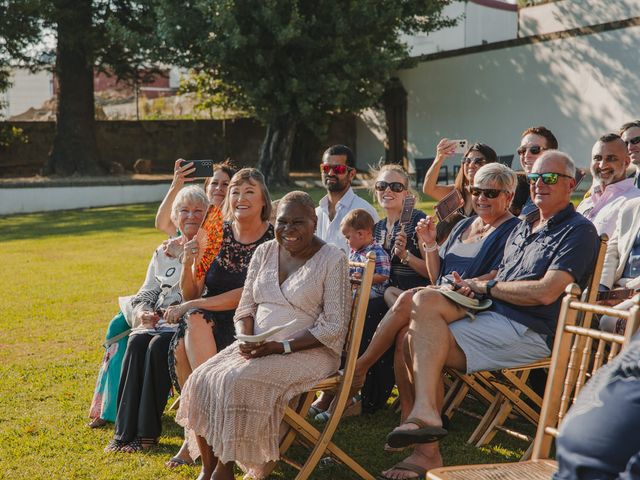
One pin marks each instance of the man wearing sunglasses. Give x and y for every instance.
(534, 142)
(338, 171)
(611, 188)
(630, 133)
(553, 247)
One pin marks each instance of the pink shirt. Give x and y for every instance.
(602, 206)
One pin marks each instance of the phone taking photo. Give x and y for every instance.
(203, 168)
(461, 146)
(407, 209)
(450, 204)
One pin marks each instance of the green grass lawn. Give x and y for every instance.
(65, 271)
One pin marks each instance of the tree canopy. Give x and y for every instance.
(114, 36)
(292, 62)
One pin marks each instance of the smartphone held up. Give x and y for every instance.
(203, 168)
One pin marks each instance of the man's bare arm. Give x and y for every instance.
(527, 292)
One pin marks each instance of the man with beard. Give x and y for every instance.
(611, 188)
(630, 133)
(338, 170)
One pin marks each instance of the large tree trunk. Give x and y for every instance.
(275, 152)
(75, 150)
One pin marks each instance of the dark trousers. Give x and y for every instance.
(144, 387)
(380, 378)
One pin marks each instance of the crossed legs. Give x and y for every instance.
(430, 348)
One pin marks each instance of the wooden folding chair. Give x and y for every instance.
(513, 393)
(578, 351)
(301, 429)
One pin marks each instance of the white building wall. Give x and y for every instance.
(46, 199)
(477, 24)
(579, 87)
(567, 14)
(27, 90)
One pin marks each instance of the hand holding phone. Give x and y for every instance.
(202, 168)
(461, 146)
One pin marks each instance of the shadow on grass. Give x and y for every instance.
(77, 222)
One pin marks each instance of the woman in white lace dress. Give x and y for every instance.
(235, 402)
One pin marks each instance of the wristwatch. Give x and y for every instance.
(287, 347)
(489, 286)
(405, 260)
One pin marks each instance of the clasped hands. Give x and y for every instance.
(251, 350)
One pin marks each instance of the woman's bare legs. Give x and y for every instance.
(223, 471)
(198, 340)
(403, 374)
(393, 322)
(209, 460)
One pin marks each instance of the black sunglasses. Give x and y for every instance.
(534, 150)
(488, 192)
(393, 186)
(632, 141)
(548, 178)
(474, 161)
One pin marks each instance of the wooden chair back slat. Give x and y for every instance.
(574, 355)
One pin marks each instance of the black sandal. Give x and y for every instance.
(115, 446)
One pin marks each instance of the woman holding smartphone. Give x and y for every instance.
(408, 270)
(473, 250)
(476, 156)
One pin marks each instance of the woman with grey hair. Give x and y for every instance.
(144, 381)
(104, 402)
(474, 249)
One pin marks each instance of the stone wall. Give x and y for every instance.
(164, 141)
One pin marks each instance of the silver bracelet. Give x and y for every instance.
(429, 249)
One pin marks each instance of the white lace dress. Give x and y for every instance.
(236, 404)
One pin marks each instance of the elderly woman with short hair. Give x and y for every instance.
(473, 250)
(235, 401)
(145, 382)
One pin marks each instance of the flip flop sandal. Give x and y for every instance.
(389, 449)
(424, 434)
(179, 462)
(96, 423)
(115, 445)
(407, 467)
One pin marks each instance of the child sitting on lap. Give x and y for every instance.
(357, 228)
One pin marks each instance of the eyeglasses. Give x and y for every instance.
(632, 141)
(548, 178)
(488, 192)
(337, 169)
(474, 161)
(393, 186)
(534, 150)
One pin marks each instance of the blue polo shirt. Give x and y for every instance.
(568, 242)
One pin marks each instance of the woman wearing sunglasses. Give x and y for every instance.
(398, 239)
(476, 244)
(476, 156)
(408, 270)
(473, 250)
